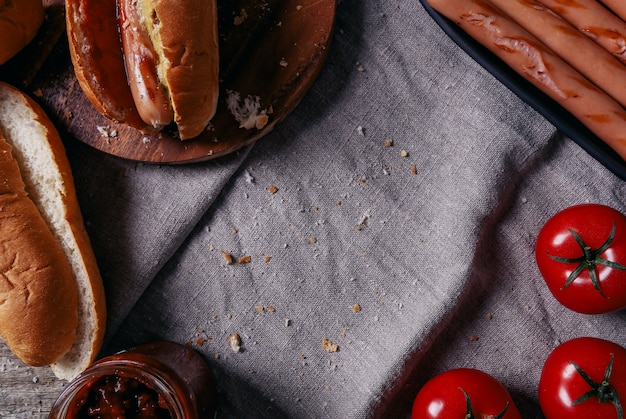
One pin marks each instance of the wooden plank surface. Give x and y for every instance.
(25, 392)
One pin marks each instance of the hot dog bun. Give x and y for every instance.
(19, 22)
(167, 52)
(37, 290)
(190, 49)
(45, 171)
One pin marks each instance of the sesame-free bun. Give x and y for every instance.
(59, 314)
(19, 22)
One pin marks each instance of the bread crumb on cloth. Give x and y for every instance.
(244, 259)
(227, 257)
(234, 341)
(329, 346)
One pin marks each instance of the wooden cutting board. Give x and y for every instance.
(271, 51)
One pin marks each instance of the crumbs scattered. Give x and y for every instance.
(244, 259)
(356, 308)
(404, 153)
(272, 189)
(240, 18)
(388, 142)
(329, 346)
(248, 111)
(227, 257)
(230, 259)
(106, 132)
(234, 341)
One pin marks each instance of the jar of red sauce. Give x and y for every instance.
(160, 380)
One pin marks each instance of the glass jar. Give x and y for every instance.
(158, 380)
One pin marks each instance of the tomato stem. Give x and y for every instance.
(603, 391)
(469, 412)
(589, 260)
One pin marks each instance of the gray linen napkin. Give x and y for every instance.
(409, 185)
(393, 214)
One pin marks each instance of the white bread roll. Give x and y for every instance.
(38, 296)
(48, 180)
(19, 22)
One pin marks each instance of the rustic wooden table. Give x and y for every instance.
(25, 392)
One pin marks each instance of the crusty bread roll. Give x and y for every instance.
(148, 63)
(190, 51)
(19, 22)
(46, 173)
(38, 297)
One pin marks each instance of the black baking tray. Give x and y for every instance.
(542, 103)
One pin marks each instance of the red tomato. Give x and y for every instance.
(581, 254)
(464, 393)
(584, 378)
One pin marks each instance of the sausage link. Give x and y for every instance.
(595, 21)
(141, 62)
(617, 6)
(591, 60)
(96, 53)
(530, 58)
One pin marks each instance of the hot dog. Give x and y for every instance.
(595, 21)
(52, 306)
(163, 68)
(559, 35)
(534, 61)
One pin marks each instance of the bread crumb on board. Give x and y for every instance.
(248, 111)
(329, 346)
